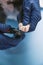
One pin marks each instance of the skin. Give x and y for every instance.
(6, 6)
(24, 28)
(11, 8)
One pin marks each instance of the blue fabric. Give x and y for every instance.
(8, 41)
(4, 27)
(31, 13)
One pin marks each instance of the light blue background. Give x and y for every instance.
(28, 52)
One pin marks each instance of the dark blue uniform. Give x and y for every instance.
(8, 40)
(30, 15)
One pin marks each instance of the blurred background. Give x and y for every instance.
(29, 51)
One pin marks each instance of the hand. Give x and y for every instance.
(20, 26)
(24, 28)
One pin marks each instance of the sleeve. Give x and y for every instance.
(24, 15)
(30, 14)
(4, 28)
(35, 15)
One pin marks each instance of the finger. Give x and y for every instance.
(20, 28)
(23, 29)
(27, 28)
(20, 24)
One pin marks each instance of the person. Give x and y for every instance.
(29, 14)
(28, 17)
(6, 11)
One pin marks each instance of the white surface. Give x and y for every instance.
(41, 3)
